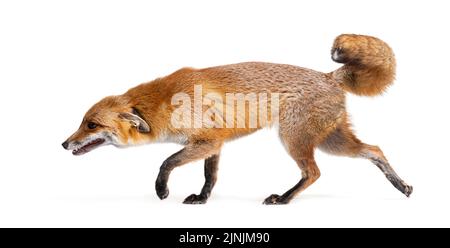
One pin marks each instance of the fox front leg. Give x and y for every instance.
(196, 150)
(211, 166)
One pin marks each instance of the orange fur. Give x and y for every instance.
(369, 64)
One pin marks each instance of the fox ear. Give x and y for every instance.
(137, 121)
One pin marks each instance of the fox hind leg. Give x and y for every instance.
(303, 154)
(343, 142)
(375, 155)
(310, 173)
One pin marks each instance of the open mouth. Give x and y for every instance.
(88, 147)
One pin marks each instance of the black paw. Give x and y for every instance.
(274, 200)
(195, 199)
(162, 191)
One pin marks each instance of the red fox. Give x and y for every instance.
(310, 113)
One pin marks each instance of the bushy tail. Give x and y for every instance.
(369, 64)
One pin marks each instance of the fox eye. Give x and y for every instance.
(91, 125)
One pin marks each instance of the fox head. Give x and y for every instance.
(112, 121)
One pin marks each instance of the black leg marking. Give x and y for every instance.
(310, 174)
(192, 152)
(166, 168)
(275, 199)
(211, 167)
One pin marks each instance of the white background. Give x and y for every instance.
(57, 58)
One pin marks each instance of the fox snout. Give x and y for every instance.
(87, 144)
